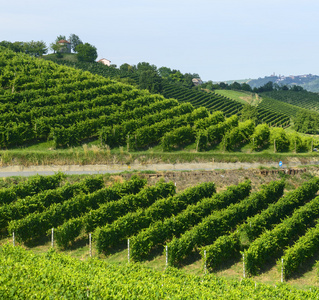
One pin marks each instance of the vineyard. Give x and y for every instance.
(309, 101)
(126, 223)
(265, 223)
(280, 106)
(212, 101)
(266, 226)
(229, 107)
(42, 101)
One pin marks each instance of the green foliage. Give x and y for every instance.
(249, 112)
(86, 52)
(75, 41)
(254, 226)
(71, 107)
(37, 224)
(27, 275)
(161, 231)
(299, 143)
(224, 248)
(151, 81)
(213, 119)
(260, 137)
(35, 48)
(219, 222)
(296, 98)
(178, 137)
(109, 212)
(131, 223)
(41, 201)
(201, 140)
(307, 122)
(31, 187)
(270, 243)
(296, 255)
(279, 138)
(216, 132)
(238, 136)
(16, 46)
(148, 135)
(117, 134)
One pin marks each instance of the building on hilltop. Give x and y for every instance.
(65, 46)
(105, 61)
(197, 81)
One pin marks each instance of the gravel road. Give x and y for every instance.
(117, 168)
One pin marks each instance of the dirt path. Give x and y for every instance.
(116, 168)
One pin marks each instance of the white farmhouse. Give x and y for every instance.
(105, 61)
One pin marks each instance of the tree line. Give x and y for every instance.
(84, 51)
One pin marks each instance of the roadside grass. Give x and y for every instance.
(92, 153)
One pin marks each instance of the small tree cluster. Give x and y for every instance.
(33, 48)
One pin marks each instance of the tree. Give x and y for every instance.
(246, 87)
(55, 47)
(125, 67)
(60, 37)
(176, 75)
(75, 41)
(16, 46)
(297, 88)
(145, 66)
(150, 80)
(86, 52)
(35, 48)
(187, 80)
(235, 86)
(165, 72)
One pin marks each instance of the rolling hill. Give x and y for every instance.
(42, 101)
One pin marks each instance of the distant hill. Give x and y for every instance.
(309, 82)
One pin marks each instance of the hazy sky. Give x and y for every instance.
(218, 39)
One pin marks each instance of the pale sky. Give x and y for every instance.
(218, 39)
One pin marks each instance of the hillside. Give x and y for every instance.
(289, 103)
(177, 90)
(46, 106)
(308, 82)
(301, 99)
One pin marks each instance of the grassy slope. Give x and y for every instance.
(240, 96)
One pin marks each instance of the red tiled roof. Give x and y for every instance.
(64, 41)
